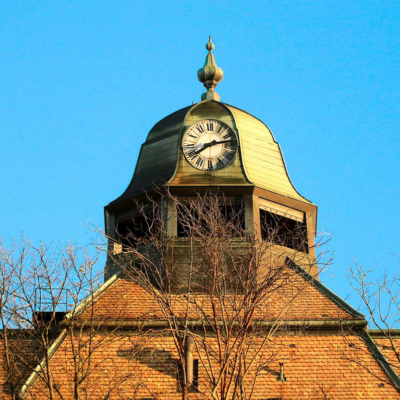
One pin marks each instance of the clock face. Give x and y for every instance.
(209, 145)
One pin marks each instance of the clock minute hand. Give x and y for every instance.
(213, 143)
(206, 146)
(225, 141)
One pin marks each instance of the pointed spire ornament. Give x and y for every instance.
(210, 75)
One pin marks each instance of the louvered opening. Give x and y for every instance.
(284, 226)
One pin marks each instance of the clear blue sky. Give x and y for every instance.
(82, 83)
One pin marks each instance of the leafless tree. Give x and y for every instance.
(9, 335)
(46, 306)
(380, 300)
(222, 291)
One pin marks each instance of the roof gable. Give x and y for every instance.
(302, 297)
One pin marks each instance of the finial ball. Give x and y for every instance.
(210, 45)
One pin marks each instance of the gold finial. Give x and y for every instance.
(210, 45)
(210, 74)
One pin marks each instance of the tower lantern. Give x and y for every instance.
(213, 145)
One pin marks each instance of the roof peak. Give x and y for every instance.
(210, 75)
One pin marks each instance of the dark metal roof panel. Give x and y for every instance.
(158, 156)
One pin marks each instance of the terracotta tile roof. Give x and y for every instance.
(24, 354)
(389, 350)
(144, 363)
(315, 367)
(140, 363)
(127, 300)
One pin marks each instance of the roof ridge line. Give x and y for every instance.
(84, 304)
(323, 289)
(381, 358)
(40, 367)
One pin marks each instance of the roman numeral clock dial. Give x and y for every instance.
(209, 145)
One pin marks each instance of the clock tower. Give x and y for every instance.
(212, 145)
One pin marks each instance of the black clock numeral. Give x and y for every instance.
(191, 154)
(200, 162)
(192, 149)
(220, 163)
(200, 128)
(228, 155)
(229, 135)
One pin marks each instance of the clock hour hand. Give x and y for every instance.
(213, 143)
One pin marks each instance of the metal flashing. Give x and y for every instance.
(40, 367)
(323, 289)
(381, 359)
(384, 333)
(84, 304)
(309, 325)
